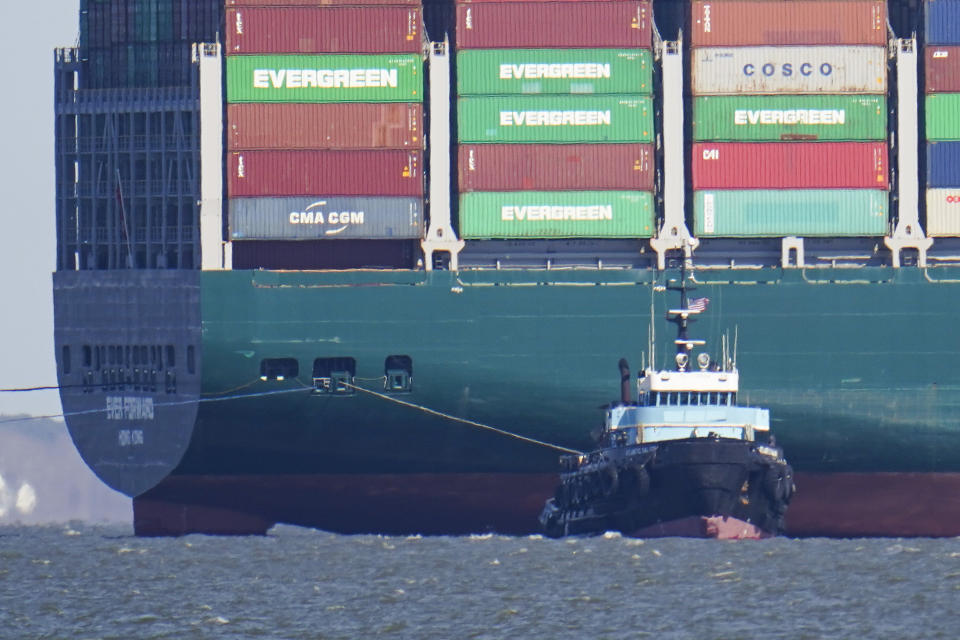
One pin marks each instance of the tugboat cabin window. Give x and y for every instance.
(398, 374)
(279, 368)
(334, 375)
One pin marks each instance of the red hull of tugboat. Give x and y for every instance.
(826, 504)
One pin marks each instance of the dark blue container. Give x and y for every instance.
(943, 164)
(942, 22)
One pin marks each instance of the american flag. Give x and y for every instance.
(698, 304)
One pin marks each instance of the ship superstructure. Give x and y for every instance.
(256, 227)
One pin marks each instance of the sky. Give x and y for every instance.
(29, 32)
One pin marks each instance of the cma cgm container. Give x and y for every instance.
(732, 23)
(942, 21)
(555, 119)
(510, 71)
(943, 212)
(325, 78)
(790, 165)
(943, 164)
(307, 173)
(744, 214)
(732, 70)
(789, 117)
(943, 116)
(556, 214)
(334, 125)
(320, 217)
(540, 167)
(942, 69)
(378, 29)
(624, 24)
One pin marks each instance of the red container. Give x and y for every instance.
(733, 23)
(558, 25)
(943, 69)
(337, 125)
(324, 30)
(324, 173)
(555, 167)
(790, 165)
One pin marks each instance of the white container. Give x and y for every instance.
(943, 212)
(737, 70)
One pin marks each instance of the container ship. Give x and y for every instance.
(366, 265)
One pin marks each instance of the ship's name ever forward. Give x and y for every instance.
(538, 213)
(324, 78)
(554, 118)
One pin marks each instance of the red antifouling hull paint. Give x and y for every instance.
(335, 125)
(797, 22)
(555, 167)
(532, 25)
(790, 165)
(308, 173)
(310, 30)
(943, 69)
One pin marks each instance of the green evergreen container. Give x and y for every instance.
(325, 78)
(558, 71)
(943, 116)
(794, 212)
(772, 118)
(555, 119)
(556, 214)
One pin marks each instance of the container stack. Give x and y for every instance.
(555, 119)
(143, 43)
(789, 118)
(942, 59)
(324, 122)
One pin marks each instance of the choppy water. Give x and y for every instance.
(90, 582)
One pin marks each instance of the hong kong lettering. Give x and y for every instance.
(324, 78)
(554, 118)
(788, 69)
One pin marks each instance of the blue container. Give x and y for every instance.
(943, 164)
(942, 21)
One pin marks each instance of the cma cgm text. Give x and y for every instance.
(324, 78)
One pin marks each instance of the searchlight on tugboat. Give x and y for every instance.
(682, 459)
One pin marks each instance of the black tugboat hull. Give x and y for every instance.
(698, 487)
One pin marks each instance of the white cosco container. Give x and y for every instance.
(737, 70)
(943, 212)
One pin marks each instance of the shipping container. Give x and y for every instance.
(807, 212)
(307, 30)
(943, 116)
(340, 173)
(732, 23)
(737, 70)
(943, 165)
(332, 125)
(790, 117)
(942, 69)
(325, 78)
(556, 214)
(789, 165)
(624, 24)
(314, 3)
(943, 212)
(942, 21)
(513, 71)
(320, 217)
(555, 119)
(546, 167)
(326, 254)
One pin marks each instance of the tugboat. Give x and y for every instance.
(684, 459)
